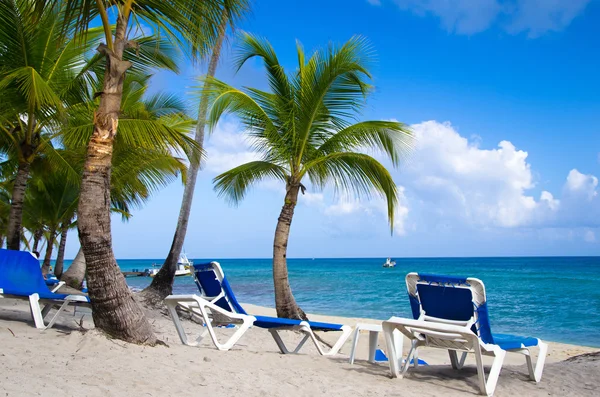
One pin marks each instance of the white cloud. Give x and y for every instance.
(473, 185)
(451, 181)
(227, 148)
(535, 17)
(580, 184)
(460, 16)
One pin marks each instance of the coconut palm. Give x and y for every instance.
(162, 283)
(193, 26)
(305, 129)
(139, 168)
(53, 201)
(39, 69)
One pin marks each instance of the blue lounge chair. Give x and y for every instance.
(218, 306)
(21, 278)
(451, 313)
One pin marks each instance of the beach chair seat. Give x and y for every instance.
(217, 305)
(451, 313)
(21, 278)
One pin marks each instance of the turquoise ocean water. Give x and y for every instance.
(556, 298)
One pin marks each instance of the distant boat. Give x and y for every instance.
(389, 263)
(184, 267)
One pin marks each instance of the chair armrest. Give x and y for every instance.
(57, 286)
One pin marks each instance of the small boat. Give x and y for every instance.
(184, 267)
(389, 263)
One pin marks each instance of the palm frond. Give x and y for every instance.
(235, 183)
(391, 137)
(355, 173)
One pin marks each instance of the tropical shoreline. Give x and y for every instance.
(254, 367)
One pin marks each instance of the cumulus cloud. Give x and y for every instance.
(535, 17)
(227, 148)
(456, 182)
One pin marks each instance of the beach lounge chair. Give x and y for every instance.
(451, 313)
(21, 278)
(218, 306)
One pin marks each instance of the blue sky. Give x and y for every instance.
(503, 97)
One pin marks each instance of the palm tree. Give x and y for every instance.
(39, 66)
(192, 25)
(140, 167)
(162, 283)
(51, 200)
(304, 129)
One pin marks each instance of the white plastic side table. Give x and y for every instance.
(374, 330)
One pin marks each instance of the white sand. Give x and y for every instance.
(64, 361)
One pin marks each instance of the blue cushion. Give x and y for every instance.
(508, 342)
(275, 322)
(446, 302)
(20, 275)
(317, 326)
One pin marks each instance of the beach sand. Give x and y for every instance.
(68, 362)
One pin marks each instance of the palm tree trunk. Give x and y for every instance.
(37, 236)
(162, 283)
(114, 309)
(284, 299)
(15, 217)
(49, 248)
(75, 274)
(60, 256)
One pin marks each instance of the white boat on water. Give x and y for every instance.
(389, 263)
(184, 267)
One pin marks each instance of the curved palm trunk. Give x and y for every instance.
(75, 274)
(48, 256)
(114, 309)
(15, 217)
(162, 283)
(37, 236)
(60, 256)
(284, 299)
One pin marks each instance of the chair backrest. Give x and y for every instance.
(20, 275)
(450, 299)
(211, 282)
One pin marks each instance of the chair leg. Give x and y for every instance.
(346, 331)
(53, 319)
(415, 358)
(456, 363)
(354, 345)
(394, 353)
(247, 323)
(373, 339)
(36, 311)
(487, 387)
(282, 347)
(178, 325)
(453, 359)
(535, 373)
(412, 354)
